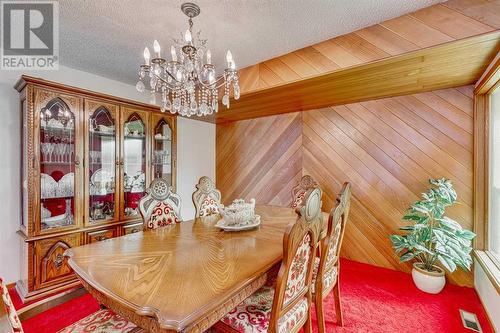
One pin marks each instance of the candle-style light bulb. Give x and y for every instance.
(147, 55)
(172, 51)
(209, 57)
(229, 58)
(157, 48)
(187, 36)
(233, 65)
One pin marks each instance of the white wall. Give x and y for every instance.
(488, 294)
(196, 159)
(195, 149)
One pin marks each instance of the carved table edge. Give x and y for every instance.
(151, 324)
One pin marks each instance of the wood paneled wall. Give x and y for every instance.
(260, 158)
(452, 20)
(387, 149)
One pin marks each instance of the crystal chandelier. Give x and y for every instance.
(187, 84)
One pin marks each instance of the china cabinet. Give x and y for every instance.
(86, 161)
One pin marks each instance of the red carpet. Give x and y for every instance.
(374, 300)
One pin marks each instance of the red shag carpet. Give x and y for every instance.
(374, 300)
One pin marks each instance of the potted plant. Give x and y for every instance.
(433, 238)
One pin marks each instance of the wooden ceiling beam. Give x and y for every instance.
(447, 65)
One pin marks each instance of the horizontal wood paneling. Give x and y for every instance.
(453, 64)
(387, 149)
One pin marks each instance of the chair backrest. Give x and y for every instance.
(206, 198)
(300, 190)
(9, 321)
(161, 206)
(293, 284)
(330, 246)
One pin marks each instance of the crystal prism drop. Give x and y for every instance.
(193, 105)
(152, 83)
(225, 100)
(177, 104)
(204, 108)
(140, 86)
(236, 89)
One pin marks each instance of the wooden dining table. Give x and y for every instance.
(184, 277)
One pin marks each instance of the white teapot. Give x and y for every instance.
(239, 213)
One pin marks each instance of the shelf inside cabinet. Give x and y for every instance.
(56, 163)
(134, 136)
(103, 134)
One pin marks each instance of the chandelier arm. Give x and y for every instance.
(215, 85)
(170, 86)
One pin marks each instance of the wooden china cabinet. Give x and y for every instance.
(87, 158)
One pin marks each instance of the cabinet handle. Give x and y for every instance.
(77, 160)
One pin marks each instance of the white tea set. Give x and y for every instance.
(238, 216)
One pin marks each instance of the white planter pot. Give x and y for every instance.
(429, 282)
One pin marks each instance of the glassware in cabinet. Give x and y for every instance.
(163, 147)
(59, 151)
(134, 160)
(101, 168)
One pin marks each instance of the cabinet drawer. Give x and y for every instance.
(100, 235)
(132, 228)
(50, 265)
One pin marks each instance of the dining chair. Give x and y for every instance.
(327, 267)
(102, 321)
(285, 306)
(160, 206)
(300, 190)
(206, 198)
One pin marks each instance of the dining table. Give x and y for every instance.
(183, 277)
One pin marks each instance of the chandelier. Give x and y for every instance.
(187, 83)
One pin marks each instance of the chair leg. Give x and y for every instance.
(320, 315)
(338, 305)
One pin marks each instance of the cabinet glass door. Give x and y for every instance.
(101, 157)
(162, 151)
(58, 162)
(134, 163)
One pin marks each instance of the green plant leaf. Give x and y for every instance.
(447, 263)
(407, 257)
(449, 223)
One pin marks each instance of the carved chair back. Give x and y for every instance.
(300, 190)
(9, 321)
(293, 284)
(161, 206)
(330, 246)
(206, 198)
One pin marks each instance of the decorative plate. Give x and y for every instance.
(54, 220)
(253, 224)
(48, 186)
(65, 185)
(101, 176)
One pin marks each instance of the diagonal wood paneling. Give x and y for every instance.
(386, 148)
(452, 20)
(260, 158)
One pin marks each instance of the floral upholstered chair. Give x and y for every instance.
(102, 321)
(327, 267)
(206, 198)
(286, 306)
(300, 190)
(161, 206)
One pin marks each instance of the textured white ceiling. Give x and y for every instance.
(107, 37)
